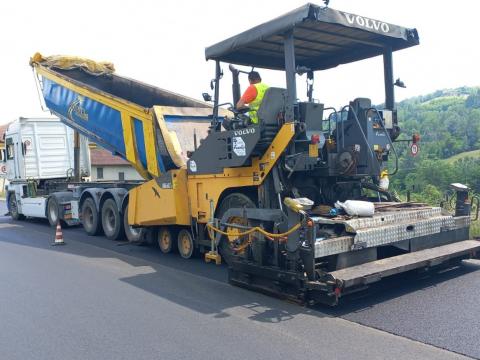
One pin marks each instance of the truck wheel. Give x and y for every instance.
(111, 220)
(90, 218)
(235, 200)
(13, 208)
(52, 211)
(166, 239)
(133, 234)
(185, 244)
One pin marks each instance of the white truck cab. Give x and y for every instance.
(38, 150)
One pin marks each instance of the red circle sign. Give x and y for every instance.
(3, 169)
(414, 149)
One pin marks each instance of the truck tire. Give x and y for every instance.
(112, 222)
(13, 208)
(91, 218)
(234, 200)
(186, 246)
(133, 234)
(166, 237)
(52, 211)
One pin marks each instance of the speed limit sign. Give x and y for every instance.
(414, 149)
(3, 170)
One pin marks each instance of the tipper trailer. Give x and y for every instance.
(263, 194)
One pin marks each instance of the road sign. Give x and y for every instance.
(3, 170)
(414, 149)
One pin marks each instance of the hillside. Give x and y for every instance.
(474, 154)
(448, 122)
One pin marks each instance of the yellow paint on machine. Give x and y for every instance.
(130, 147)
(160, 203)
(190, 196)
(149, 136)
(203, 188)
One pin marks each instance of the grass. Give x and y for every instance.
(472, 154)
(475, 229)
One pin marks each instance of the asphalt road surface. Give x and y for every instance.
(98, 299)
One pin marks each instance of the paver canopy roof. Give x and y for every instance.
(324, 38)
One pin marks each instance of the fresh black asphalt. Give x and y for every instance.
(98, 299)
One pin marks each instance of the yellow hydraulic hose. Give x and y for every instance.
(255, 229)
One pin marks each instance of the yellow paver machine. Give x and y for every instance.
(262, 196)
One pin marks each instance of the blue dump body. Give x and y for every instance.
(100, 123)
(117, 113)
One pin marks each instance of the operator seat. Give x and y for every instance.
(272, 105)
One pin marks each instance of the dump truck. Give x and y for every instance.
(261, 196)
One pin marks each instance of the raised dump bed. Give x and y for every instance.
(150, 127)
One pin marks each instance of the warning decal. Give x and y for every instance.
(238, 146)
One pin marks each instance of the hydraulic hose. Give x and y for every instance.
(254, 229)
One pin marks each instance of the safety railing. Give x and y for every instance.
(329, 119)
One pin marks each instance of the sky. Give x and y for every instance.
(163, 42)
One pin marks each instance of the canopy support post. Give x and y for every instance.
(388, 77)
(289, 50)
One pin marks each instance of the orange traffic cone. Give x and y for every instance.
(58, 235)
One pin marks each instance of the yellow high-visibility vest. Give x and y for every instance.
(255, 104)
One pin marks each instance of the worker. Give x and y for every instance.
(253, 96)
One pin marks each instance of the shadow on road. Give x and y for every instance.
(204, 288)
(189, 283)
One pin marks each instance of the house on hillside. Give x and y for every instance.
(108, 167)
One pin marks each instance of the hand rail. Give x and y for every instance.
(329, 119)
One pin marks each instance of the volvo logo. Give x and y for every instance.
(244, 131)
(367, 23)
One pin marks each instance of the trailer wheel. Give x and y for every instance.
(91, 218)
(133, 234)
(111, 220)
(13, 208)
(166, 239)
(185, 244)
(52, 211)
